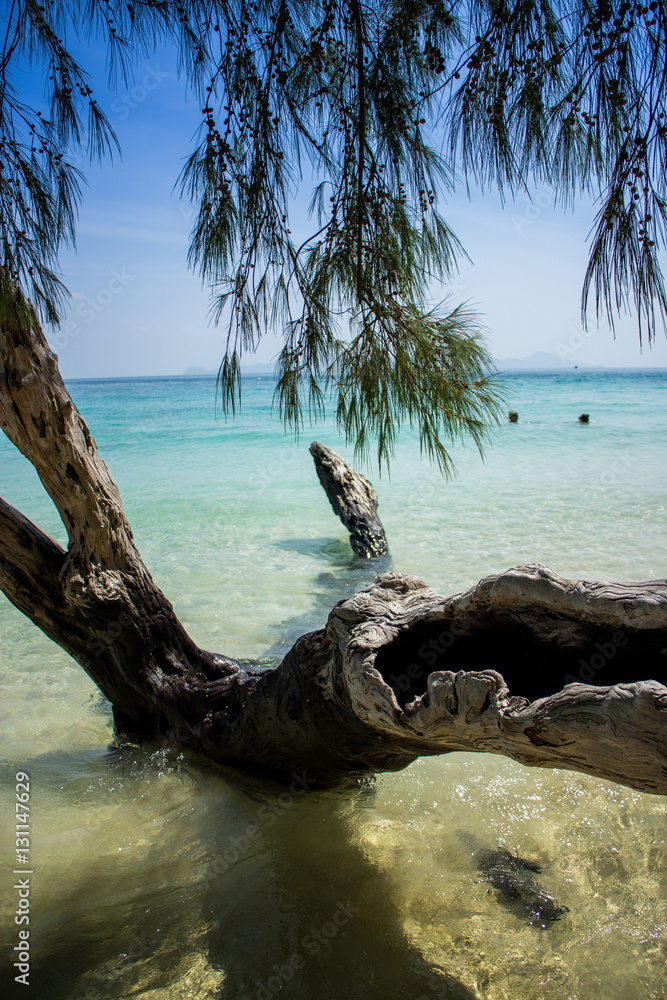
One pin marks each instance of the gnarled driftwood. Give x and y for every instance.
(353, 499)
(397, 672)
(506, 668)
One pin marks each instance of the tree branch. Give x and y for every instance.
(98, 600)
(30, 563)
(38, 416)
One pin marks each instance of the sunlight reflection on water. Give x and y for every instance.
(159, 877)
(162, 878)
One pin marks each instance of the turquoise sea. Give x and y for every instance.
(158, 877)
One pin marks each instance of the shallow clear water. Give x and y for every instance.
(157, 876)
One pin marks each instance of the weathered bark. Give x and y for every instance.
(396, 673)
(97, 600)
(497, 669)
(353, 499)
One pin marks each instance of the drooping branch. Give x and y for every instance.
(357, 17)
(353, 499)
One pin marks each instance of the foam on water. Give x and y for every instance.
(159, 877)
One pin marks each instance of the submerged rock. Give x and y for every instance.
(512, 877)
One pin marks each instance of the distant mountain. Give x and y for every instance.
(257, 369)
(540, 359)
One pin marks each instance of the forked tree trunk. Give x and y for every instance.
(397, 672)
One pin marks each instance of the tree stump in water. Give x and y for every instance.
(353, 499)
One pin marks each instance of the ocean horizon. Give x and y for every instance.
(261, 370)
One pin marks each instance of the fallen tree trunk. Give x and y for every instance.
(353, 500)
(397, 672)
(503, 667)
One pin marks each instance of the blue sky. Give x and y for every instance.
(136, 309)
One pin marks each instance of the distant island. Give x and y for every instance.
(245, 370)
(540, 359)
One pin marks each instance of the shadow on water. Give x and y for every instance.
(104, 900)
(299, 909)
(181, 880)
(160, 873)
(346, 575)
